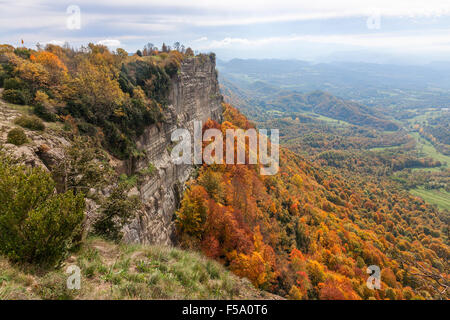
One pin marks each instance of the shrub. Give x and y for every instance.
(42, 105)
(148, 171)
(24, 53)
(117, 210)
(13, 84)
(87, 129)
(173, 63)
(84, 166)
(41, 111)
(30, 122)
(3, 76)
(14, 96)
(17, 137)
(36, 225)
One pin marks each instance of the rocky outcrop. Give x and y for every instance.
(44, 149)
(194, 96)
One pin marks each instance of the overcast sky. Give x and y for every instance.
(409, 30)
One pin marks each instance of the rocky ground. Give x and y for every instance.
(43, 149)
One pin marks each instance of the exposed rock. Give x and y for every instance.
(44, 149)
(194, 96)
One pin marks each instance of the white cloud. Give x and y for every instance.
(56, 42)
(222, 13)
(389, 41)
(109, 42)
(202, 39)
(135, 22)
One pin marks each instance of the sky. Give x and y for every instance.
(385, 31)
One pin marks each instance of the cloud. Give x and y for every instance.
(202, 39)
(391, 41)
(217, 13)
(109, 42)
(56, 42)
(234, 24)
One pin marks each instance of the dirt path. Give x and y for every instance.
(108, 252)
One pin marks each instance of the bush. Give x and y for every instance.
(42, 112)
(12, 84)
(30, 122)
(36, 225)
(42, 105)
(3, 76)
(14, 96)
(173, 63)
(17, 137)
(24, 53)
(117, 210)
(53, 286)
(87, 129)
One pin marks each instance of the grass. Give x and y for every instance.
(425, 146)
(24, 109)
(111, 271)
(441, 198)
(327, 119)
(429, 150)
(423, 116)
(30, 122)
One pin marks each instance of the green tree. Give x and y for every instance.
(117, 210)
(84, 166)
(36, 224)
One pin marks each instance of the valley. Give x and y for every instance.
(87, 179)
(396, 139)
(205, 150)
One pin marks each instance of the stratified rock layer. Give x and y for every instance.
(194, 96)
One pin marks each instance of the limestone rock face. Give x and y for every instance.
(44, 149)
(194, 96)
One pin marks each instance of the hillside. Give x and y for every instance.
(86, 141)
(352, 136)
(372, 84)
(111, 271)
(310, 232)
(263, 101)
(108, 270)
(122, 109)
(330, 106)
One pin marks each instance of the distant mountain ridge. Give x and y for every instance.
(259, 97)
(328, 105)
(371, 84)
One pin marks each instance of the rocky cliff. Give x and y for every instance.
(194, 96)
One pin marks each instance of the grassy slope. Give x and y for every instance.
(437, 197)
(428, 149)
(111, 271)
(441, 198)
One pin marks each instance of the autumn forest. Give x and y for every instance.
(343, 199)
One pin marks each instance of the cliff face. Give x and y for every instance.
(194, 96)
